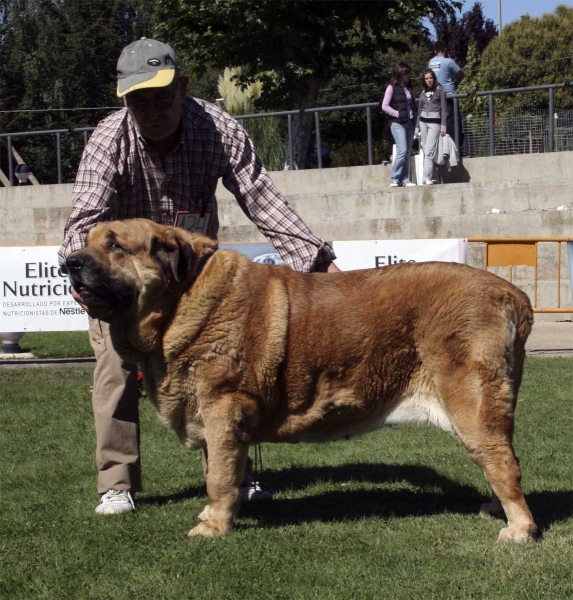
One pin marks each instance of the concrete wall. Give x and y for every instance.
(356, 203)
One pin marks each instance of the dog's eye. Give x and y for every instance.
(115, 246)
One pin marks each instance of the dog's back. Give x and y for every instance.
(367, 348)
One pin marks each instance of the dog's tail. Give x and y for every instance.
(523, 312)
(522, 317)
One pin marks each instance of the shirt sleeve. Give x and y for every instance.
(386, 103)
(264, 205)
(94, 197)
(454, 68)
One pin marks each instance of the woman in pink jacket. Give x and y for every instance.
(399, 103)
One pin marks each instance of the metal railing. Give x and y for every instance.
(516, 252)
(366, 107)
(57, 132)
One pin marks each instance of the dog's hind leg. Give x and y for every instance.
(227, 441)
(481, 403)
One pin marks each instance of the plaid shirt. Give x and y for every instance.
(121, 177)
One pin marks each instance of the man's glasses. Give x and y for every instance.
(162, 102)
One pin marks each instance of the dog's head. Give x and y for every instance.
(135, 263)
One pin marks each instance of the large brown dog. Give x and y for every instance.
(236, 353)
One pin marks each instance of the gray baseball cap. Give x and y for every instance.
(145, 64)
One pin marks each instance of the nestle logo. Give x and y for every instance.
(72, 311)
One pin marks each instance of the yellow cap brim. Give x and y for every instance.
(160, 79)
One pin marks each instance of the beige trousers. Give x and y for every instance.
(115, 402)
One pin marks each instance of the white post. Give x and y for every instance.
(10, 342)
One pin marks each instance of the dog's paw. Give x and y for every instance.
(207, 529)
(205, 513)
(519, 535)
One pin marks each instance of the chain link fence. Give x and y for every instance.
(516, 132)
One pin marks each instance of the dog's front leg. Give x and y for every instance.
(227, 430)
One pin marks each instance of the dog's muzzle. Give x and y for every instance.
(93, 285)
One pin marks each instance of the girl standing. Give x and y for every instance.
(399, 103)
(431, 122)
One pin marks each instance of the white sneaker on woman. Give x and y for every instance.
(429, 182)
(408, 184)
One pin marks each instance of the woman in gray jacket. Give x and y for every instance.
(431, 123)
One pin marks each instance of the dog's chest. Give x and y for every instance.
(175, 401)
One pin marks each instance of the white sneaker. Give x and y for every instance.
(115, 502)
(408, 184)
(394, 184)
(253, 492)
(429, 182)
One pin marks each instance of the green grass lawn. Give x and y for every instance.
(390, 515)
(57, 344)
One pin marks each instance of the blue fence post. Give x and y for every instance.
(551, 121)
(318, 140)
(490, 115)
(457, 125)
(290, 143)
(10, 163)
(369, 135)
(59, 155)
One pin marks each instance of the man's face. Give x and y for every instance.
(157, 111)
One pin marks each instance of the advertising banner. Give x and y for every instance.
(36, 296)
(370, 254)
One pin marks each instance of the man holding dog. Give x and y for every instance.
(160, 158)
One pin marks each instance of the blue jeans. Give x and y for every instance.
(404, 137)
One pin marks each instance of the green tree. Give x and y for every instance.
(457, 33)
(471, 84)
(364, 80)
(267, 134)
(292, 46)
(62, 54)
(531, 52)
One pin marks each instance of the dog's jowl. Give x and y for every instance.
(236, 353)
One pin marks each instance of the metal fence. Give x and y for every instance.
(486, 134)
(517, 132)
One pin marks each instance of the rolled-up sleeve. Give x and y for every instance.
(264, 205)
(94, 197)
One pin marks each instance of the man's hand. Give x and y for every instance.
(328, 267)
(96, 312)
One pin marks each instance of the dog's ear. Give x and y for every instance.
(174, 254)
